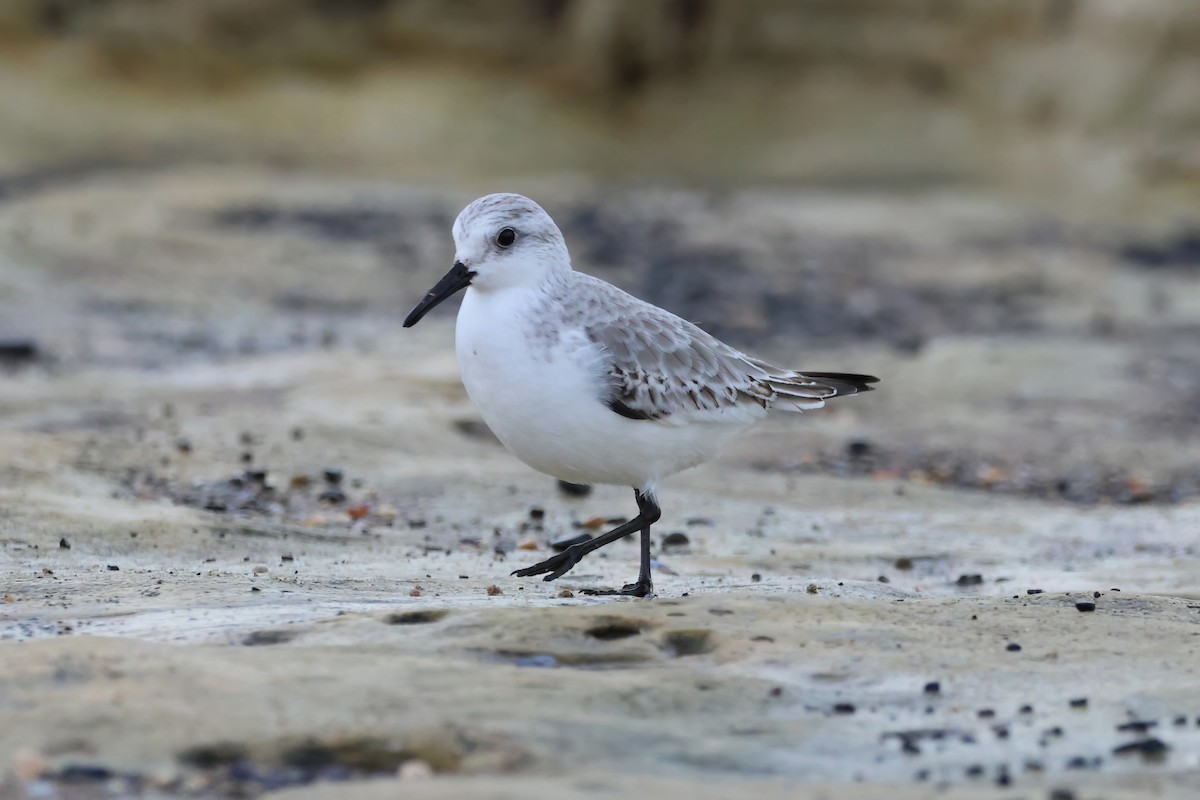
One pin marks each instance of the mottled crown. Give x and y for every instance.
(495, 211)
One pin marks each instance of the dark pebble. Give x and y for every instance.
(558, 545)
(258, 476)
(113, 568)
(776, 691)
(1033, 591)
(333, 476)
(537, 512)
(18, 352)
(969, 580)
(843, 708)
(1137, 726)
(84, 773)
(335, 496)
(1001, 731)
(183, 445)
(1078, 762)
(975, 771)
(255, 589)
(1025, 709)
(756, 578)
(1061, 794)
(574, 489)
(676, 539)
(985, 713)
(63, 544)
(1180, 720)
(1085, 605)
(247, 457)
(904, 562)
(1013, 647)
(1146, 748)
(858, 448)
(884, 579)
(933, 687)
(692, 522)
(297, 434)
(1079, 702)
(1096, 595)
(1002, 777)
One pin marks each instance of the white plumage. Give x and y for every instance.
(585, 382)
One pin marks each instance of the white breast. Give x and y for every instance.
(541, 392)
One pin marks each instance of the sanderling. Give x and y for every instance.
(591, 385)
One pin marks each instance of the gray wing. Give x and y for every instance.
(661, 367)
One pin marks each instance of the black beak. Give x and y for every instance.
(459, 277)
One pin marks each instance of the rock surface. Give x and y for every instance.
(249, 524)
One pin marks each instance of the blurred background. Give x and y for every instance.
(993, 206)
(1092, 103)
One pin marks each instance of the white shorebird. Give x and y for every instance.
(589, 384)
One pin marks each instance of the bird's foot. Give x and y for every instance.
(639, 589)
(557, 566)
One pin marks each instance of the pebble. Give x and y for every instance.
(973, 579)
(1033, 591)
(494, 590)
(537, 512)
(676, 539)
(843, 708)
(1013, 647)
(1150, 748)
(1079, 702)
(113, 568)
(334, 496)
(333, 476)
(933, 687)
(574, 489)
(566, 593)
(414, 769)
(811, 588)
(529, 543)
(259, 570)
(1085, 605)
(63, 544)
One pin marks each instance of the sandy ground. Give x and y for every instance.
(256, 540)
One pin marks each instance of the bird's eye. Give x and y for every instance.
(506, 237)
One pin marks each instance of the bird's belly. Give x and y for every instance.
(545, 406)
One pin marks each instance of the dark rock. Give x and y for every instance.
(537, 512)
(333, 476)
(1013, 647)
(63, 544)
(675, 539)
(1149, 748)
(969, 580)
(1137, 726)
(1079, 702)
(334, 495)
(113, 568)
(933, 687)
(843, 708)
(1085, 605)
(574, 489)
(18, 352)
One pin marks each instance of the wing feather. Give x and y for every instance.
(661, 367)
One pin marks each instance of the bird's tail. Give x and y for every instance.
(792, 390)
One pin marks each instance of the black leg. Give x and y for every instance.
(559, 565)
